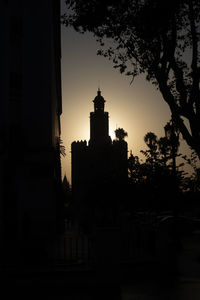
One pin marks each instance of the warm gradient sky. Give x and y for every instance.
(137, 108)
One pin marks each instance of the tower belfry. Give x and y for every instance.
(99, 102)
(99, 125)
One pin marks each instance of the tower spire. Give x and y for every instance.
(99, 91)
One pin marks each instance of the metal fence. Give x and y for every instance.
(74, 246)
(137, 242)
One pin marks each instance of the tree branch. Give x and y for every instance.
(176, 112)
(180, 86)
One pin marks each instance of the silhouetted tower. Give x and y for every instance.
(99, 125)
(100, 164)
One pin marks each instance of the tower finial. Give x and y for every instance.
(99, 90)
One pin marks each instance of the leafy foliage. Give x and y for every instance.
(192, 183)
(61, 147)
(120, 134)
(153, 179)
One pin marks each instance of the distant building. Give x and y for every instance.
(100, 166)
(30, 108)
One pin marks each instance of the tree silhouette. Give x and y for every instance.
(152, 142)
(164, 148)
(120, 134)
(192, 183)
(160, 151)
(152, 180)
(160, 39)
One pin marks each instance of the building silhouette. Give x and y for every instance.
(30, 170)
(99, 167)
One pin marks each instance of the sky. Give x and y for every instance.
(137, 108)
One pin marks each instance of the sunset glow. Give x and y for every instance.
(137, 108)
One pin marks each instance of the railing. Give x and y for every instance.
(75, 247)
(137, 243)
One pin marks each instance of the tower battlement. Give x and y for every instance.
(78, 145)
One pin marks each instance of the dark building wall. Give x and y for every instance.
(30, 119)
(80, 158)
(119, 160)
(99, 177)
